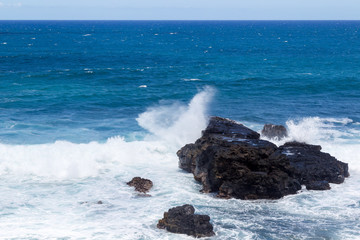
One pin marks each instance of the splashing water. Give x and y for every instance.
(177, 125)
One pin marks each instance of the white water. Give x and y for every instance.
(50, 191)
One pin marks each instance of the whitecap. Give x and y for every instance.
(143, 86)
(191, 79)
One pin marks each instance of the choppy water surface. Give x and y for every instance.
(86, 106)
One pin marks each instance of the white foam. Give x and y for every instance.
(191, 79)
(143, 86)
(44, 187)
(170, 127)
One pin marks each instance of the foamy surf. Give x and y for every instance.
(55, 188)
(167, 132)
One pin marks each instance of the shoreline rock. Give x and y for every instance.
(183, 220)
(236, 163)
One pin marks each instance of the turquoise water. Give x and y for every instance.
(87, 105)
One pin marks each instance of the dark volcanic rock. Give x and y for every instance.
(229, 128)
(274, 131)
(218, 128)
(242, 166)
(183, 220)
(237, 164)
(141, 185)
(318, 185)
(242, 169)
(312, 165)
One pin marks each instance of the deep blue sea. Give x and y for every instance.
(87, 105)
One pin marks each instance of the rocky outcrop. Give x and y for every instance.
(218, 128)
(240, 165)
(272, 131)
(141, 184)
(183, 220)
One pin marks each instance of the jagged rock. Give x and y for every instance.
(183, 220)
(272, 131)
(218, 128)
(229, 128)
(312, 165)
(241, 168)
(235, 165)
(141, 184)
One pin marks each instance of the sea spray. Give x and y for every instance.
(176, 124)
(170, 127)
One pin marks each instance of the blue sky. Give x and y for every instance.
(180, 9)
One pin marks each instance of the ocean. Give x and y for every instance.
(85, 106)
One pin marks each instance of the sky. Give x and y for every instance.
(179, 9)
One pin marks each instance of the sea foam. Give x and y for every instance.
(169, 128)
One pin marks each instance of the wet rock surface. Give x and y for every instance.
(183, 220)
(272, 131)
(312, 165)
(241, 165)
(141, 185)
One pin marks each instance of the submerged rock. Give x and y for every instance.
(272, 131)
(183, 220)
(236, 165)
(141, 184)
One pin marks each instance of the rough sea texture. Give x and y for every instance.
(85, 106)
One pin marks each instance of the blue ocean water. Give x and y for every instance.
(87, 105)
